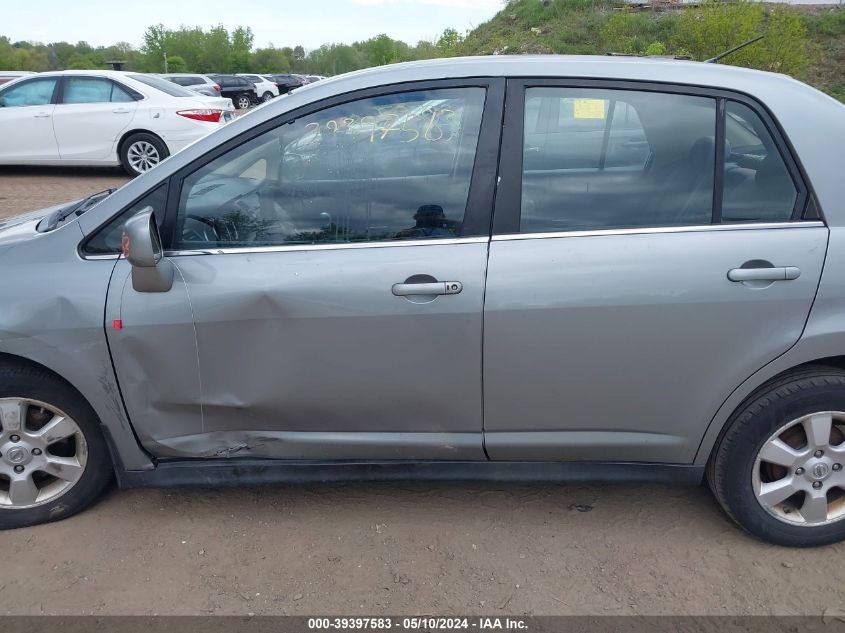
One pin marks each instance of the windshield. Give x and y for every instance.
(165, 86)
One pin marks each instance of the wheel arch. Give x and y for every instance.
(129, 133)
(750, 390)
(15, 361)
(8, 359)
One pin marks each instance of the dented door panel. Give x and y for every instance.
(309, 354)
(153, 346)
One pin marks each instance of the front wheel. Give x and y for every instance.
(778, 469)
(141, 152)
(53, 459)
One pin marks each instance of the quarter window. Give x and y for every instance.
(391, 167)
(757, 183)
(107, 239)
(595, 159)
(35, 92)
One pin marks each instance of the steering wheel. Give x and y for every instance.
(200, 230)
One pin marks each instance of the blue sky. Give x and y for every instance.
(283, 22)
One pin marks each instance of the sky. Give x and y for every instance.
(281, 22)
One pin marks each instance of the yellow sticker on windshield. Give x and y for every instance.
(589, 108)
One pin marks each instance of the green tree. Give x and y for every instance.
(80, 61)
(715, 26)
(239, 60)
(270, 60)
(176, 64)
(448, 43)
(786, 47)
(216, 51)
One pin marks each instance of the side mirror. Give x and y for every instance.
(141, 244)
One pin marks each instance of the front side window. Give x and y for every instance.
(758, 186)
(598, 159)
(35, 92)
(92, 90)
(392, 167)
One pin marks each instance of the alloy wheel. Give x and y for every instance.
(143, 156)
(798, 475)
(43, 453)
(243, 103)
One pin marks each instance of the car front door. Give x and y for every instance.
(650, 252)
(90, 117)
(334, 263)
(26, 120)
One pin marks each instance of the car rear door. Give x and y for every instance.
(91, 115)
(642, 266)
(26, 120)
(334, 262)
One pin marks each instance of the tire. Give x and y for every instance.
(267, 96)
(141, 152)
(84, 455)
(777, 418)
(242, 102)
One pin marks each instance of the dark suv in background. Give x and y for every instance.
(285, 82)
(238, 89)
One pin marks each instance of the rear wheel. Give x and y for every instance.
(242, 102)
(778, 469)
(53, 459)
(267, 96)
(141, 152)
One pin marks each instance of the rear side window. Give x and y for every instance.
(595, 159)
(163, 85)
(187, 81)
(758, 185)
(92, 90)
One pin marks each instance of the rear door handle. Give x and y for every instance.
(775, 273)
(435, 288)
(42, 115)
(121, 111)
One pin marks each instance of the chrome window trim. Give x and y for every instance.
(325, 247)
(699, 228)
(479, 240)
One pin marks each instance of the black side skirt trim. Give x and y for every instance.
(243, 472)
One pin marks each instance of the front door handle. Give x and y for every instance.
(772, 273)
(434, 288)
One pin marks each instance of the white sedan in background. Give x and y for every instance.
(102, 117)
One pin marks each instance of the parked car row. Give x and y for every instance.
(102, 117)
(244, 89)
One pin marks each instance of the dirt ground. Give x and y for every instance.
(367, 549)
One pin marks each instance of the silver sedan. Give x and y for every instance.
(525, 268)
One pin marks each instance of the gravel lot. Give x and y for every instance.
(397, 548)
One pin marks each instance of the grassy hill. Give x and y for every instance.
(807, 42)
